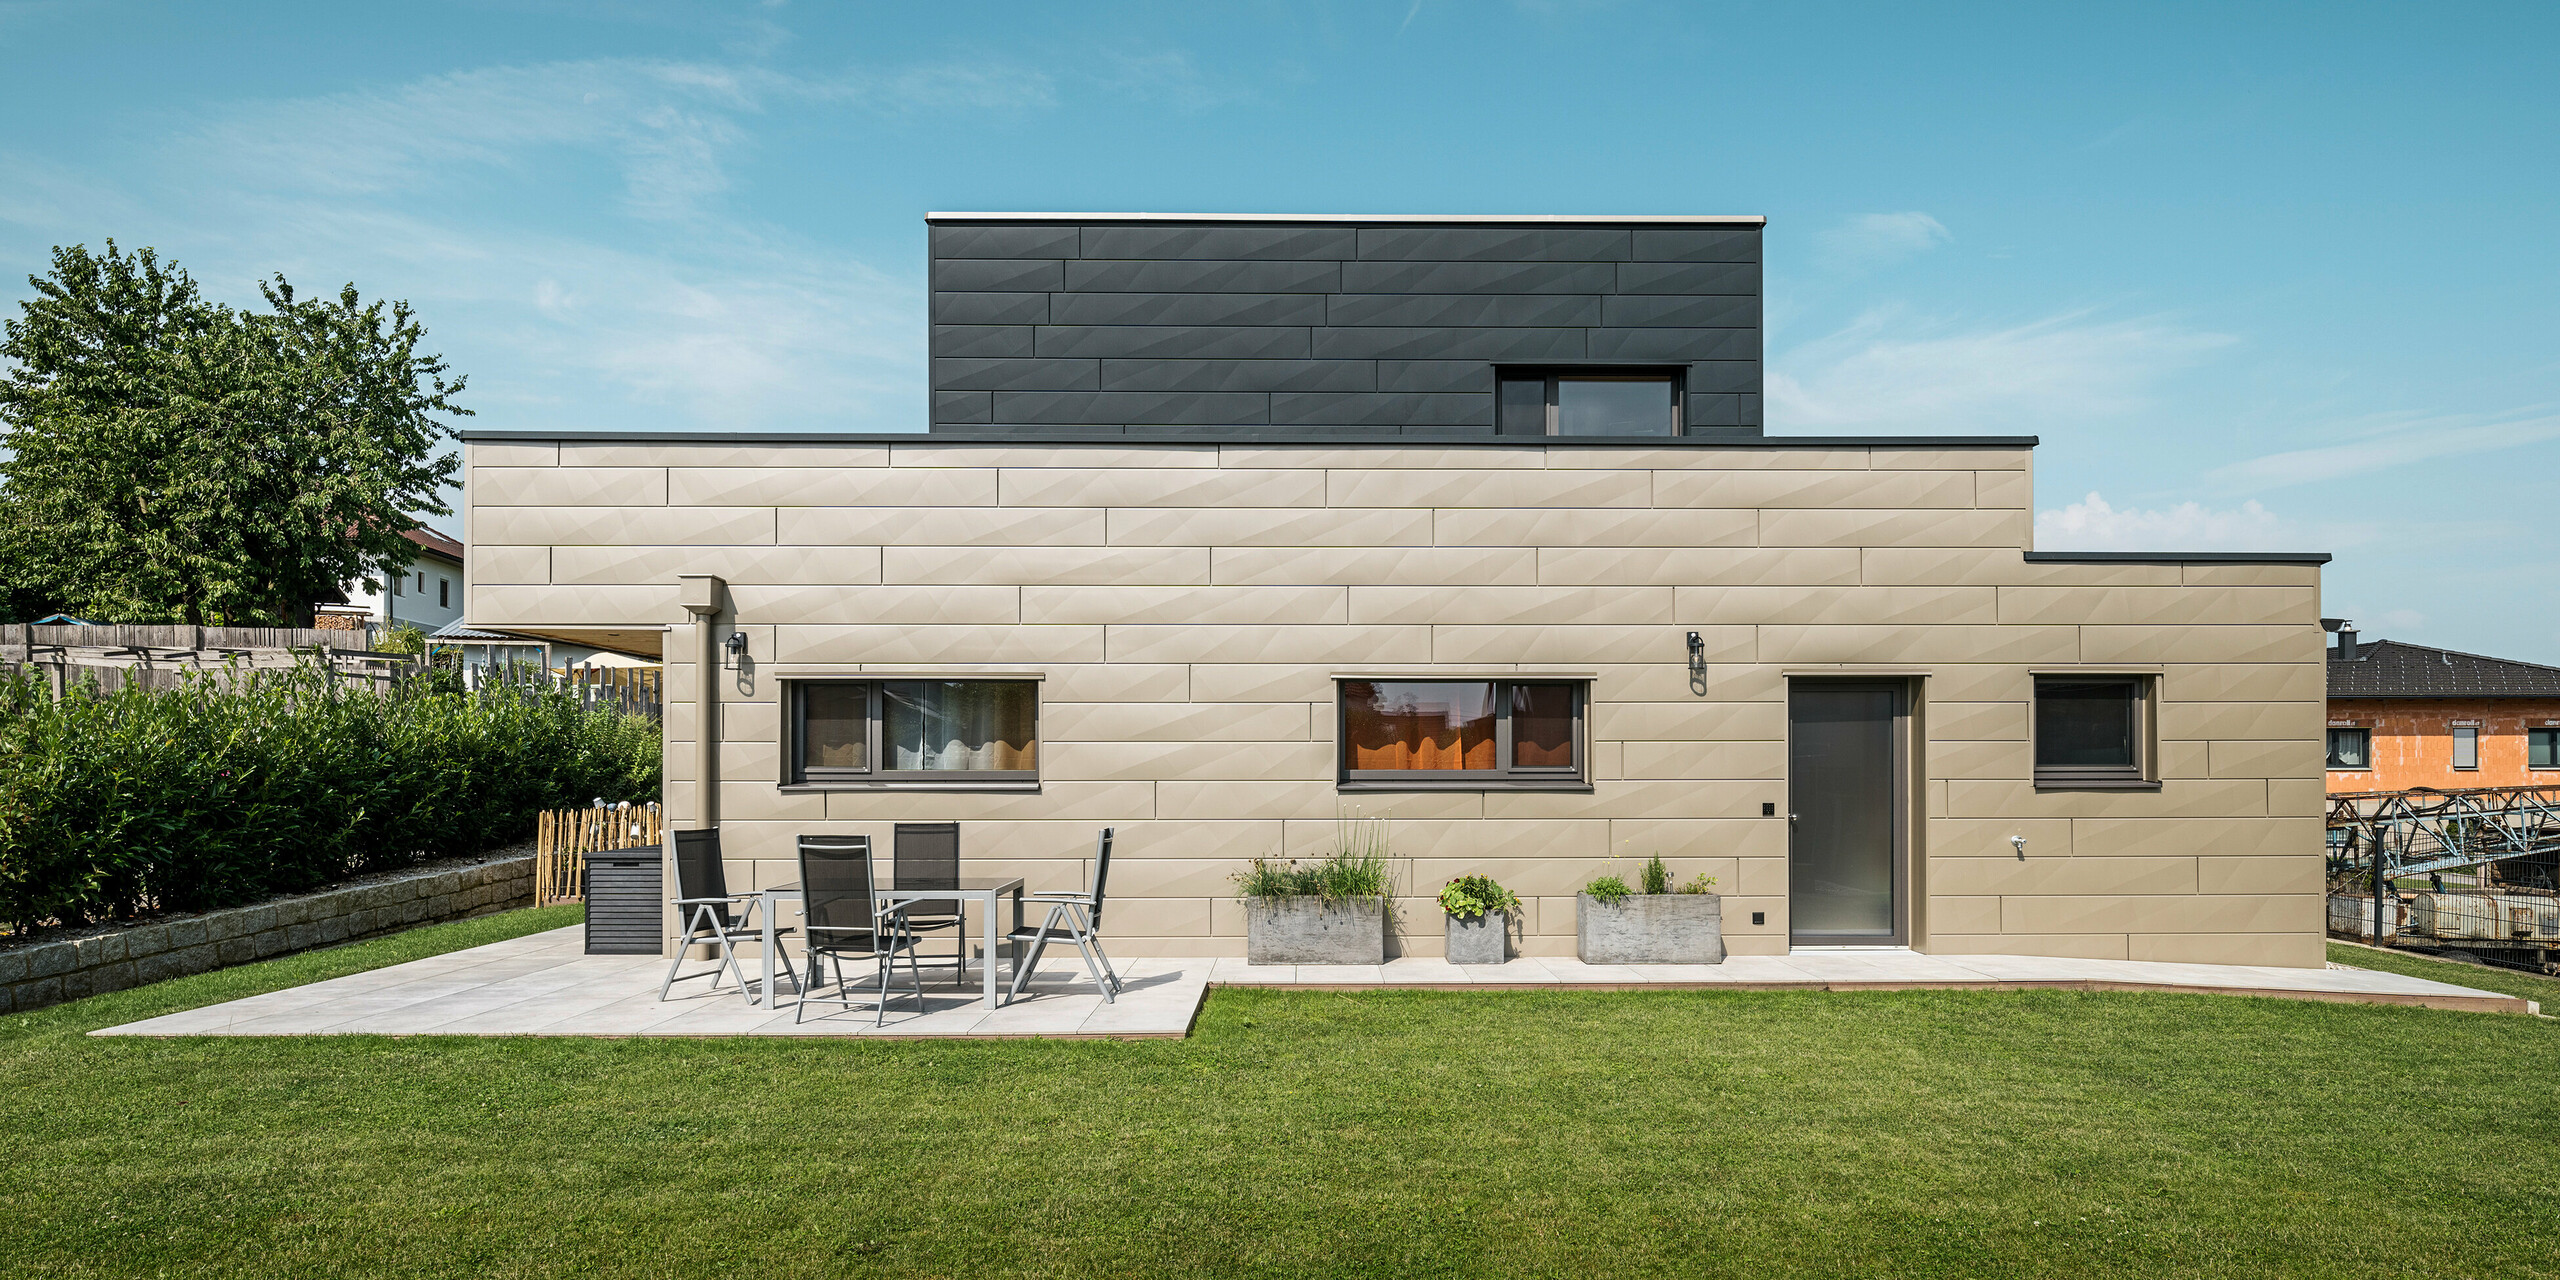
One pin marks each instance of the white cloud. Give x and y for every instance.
(1873, 239)
(1895, 372)
(667, 126)
(2094, 524)
(669, 307)
(2384, 444)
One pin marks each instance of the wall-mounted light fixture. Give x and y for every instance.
(1697, 664)
(737, 645)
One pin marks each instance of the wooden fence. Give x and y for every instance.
(181, 637)
(564, 837)
(159, 657)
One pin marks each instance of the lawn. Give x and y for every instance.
(1390, 1133)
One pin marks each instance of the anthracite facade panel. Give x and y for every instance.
(1064, 325)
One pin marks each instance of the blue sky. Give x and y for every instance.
(2261, 277)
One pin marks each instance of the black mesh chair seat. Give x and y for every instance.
(844, 920)
(712, 916)
(926, 855)
(1073, 917)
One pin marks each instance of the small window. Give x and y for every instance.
(444, 593)
(2542, 748)
(2089, 730)
(2351, 748)
(2466, 747)
(1588, 403)
(915, 731)
(400, 585)
(1461, 733)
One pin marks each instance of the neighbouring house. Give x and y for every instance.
(426, 593)
(2406, 715)
(1227, 526)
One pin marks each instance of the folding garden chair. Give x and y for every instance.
(926, 855)
(704, 903)
(1073, 917)
(844, 918)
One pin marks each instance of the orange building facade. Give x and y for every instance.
(2403, 716)
(2413, 743)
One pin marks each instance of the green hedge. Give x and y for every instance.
(211, 796)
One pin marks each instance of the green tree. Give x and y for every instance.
(174, 460)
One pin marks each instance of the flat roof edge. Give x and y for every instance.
(1478, 219)
(1367, 441)
(2178, 557)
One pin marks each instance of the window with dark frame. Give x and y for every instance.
(2542, 748)
(1588, 402)
(1462, 733)
(444, 593)
(2351, 748)
(939, 731)
(2466, 747)
(2090, 731)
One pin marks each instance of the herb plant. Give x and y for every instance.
(1703, 884)
(1470, 897)
(1609, 889)
(1355, 868)
(1657, 877)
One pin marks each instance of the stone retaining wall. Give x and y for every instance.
(50, 973)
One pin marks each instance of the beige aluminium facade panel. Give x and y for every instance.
(1189, 609)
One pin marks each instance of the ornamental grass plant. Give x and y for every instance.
(1356, 867)
(242, 785)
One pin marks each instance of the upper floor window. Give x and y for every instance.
(914, 731)
(1589, 402)
(2090, 730)
(2542, 748)
(1462, 732)
(2466, 746)
(444, 593)
(2351, 748)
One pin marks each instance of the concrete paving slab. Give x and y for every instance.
(544, 985)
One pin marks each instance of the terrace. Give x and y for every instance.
(542, 985)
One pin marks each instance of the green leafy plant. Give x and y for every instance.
(1657, 877)
(1470, 897)
(1609, 889)
(171, 459)
(1704, 883)
(1356, 867)
(241, 785)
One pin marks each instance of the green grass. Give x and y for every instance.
(2479, 977)
(1975, 1134)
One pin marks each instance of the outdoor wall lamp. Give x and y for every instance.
(737, 644)
(1697, 664)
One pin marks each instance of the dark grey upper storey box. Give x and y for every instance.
(1318, 324)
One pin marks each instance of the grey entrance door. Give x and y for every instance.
(1844, 793)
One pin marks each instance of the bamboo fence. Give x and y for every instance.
(564, 837)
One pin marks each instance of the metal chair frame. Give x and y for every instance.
(886, 935)
(703, 904)
(1076, 918)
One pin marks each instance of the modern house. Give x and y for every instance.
(1227, 526)
(2406, 715)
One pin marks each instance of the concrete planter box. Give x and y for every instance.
(1651, 928)
(1314, 931)
(1481, 940)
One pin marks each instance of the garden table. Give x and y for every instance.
(984, 891)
